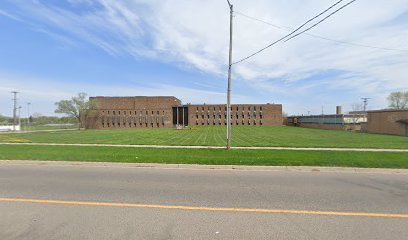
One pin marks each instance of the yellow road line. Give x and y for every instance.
(253, 210)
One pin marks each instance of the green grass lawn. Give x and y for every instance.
(37, 128)
(276, 136)
(207, 156)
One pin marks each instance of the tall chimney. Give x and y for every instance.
(338, 110)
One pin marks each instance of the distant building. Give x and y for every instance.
(338, 121)
(168, 112)
(393, 122)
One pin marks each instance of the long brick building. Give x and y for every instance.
(169, 112)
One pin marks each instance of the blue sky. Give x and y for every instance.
(53, 49)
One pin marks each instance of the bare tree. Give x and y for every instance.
(357, 109)
(78, 107)
(398, 100)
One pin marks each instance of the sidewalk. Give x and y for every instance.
(212, 147)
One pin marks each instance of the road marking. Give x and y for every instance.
(193, 208)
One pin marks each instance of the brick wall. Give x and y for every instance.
(242, 114)
(158, 112)
(132, 112)
(385, 122)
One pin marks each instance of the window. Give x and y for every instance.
(140, 118)
(260, 122)
(103, 119)
(113, 118)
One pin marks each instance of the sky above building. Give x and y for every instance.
(53, 49)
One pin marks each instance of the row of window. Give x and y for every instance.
(236, 122)
(232, 108)
(137, 119)
(237, 115)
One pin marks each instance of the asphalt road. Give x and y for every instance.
(95, 202)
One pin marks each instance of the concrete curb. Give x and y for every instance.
(211, 147)
(205, 167)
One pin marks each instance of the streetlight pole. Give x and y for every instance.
(14, 110)
(229, 80)
(19, 117)
(28, 114)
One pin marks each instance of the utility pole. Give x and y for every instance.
(14, 110)
(365, 101)
(28, 114)
(229, 80)
(19, 116)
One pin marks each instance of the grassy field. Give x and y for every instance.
(37, 128)
(206, 156)
(279, 136)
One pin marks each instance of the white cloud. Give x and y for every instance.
(43, 93)
(193, 33)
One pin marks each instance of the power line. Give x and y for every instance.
(365, 102)
(297, 29)
(323, 37)
(314, 25)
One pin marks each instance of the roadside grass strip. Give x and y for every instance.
(397, 160)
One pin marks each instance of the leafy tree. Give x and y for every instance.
(5, 120)
(78, 107)
(398, 100)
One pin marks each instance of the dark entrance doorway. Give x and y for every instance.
(180, 116)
